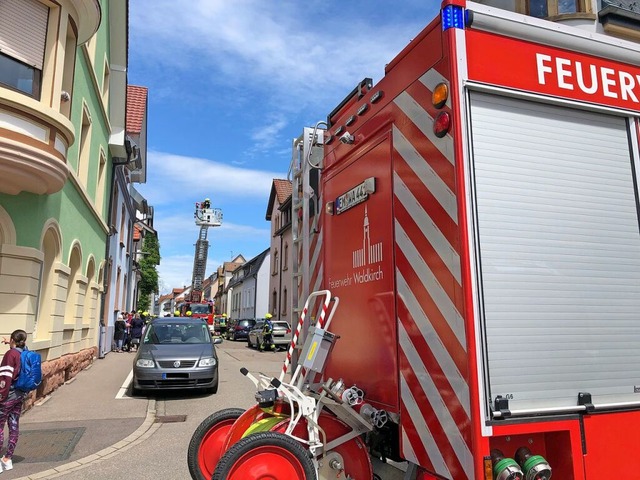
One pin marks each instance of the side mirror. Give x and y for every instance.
(217, 340)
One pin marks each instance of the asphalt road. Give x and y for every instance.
(163, 455)
(161, 452)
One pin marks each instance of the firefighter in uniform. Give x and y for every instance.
(267, 334)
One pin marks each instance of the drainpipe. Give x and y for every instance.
(108, 265)
(279, 306)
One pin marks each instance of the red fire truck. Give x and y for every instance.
(479, 224)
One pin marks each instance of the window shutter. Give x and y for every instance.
(23, 30)
(560, 252)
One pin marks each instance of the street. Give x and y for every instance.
(162, 455)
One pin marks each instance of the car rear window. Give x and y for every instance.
(247, 323)
(177, 333)
(280, 325)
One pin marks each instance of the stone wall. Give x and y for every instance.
(56, 372)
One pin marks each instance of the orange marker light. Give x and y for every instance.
(440, 95)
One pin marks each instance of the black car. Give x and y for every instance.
(176, 353)
(239, 329)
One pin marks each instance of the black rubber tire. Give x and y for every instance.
(196, 439)
(245, 449)
(213, 389)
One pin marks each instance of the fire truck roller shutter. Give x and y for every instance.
(559, 253)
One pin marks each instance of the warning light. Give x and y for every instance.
(440, 95)
(441, 124)
(452, 17)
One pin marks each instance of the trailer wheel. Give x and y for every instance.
(357, 463)
(207, 442)
(266, 455)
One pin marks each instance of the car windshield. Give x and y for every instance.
(177, 333)
(199, 308)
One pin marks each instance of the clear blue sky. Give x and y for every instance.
(231, 83)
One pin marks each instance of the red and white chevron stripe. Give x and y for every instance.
(434, 377)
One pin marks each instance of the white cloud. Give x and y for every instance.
(176, 176)
(293, 52)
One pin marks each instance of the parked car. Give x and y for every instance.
(239, 329)
(252, 336)
(281, 334)
(176, 353)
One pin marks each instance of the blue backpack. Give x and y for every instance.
(30, 371)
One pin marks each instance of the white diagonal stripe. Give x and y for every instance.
(438, 188)
(430, 282)
(407, 449)
(424, 122)
(431, 79)
(428, 227)
(443, 357)
(422, 429)
(438, 405)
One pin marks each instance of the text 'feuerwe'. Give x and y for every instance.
(589, 78)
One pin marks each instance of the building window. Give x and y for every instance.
(284, 301)
(100, 189)
(553, 8)
(274, 301)
(23, 34)
(285, 259)
(105, 84)
(275, 262)
(84, 146)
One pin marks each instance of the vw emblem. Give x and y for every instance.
(176, 363)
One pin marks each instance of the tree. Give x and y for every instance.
(148, 272)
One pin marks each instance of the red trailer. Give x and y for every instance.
(479, 224)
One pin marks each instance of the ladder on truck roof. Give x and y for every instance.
(304, 172)
(205, 217)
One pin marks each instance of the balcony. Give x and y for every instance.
(35, 84)
(33, 145)
(621, 19)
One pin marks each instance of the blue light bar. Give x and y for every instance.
(453, 17)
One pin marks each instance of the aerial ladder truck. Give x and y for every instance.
(205, 217)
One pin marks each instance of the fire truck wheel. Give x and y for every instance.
(265, 455)
(207, 442)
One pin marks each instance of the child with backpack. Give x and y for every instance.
(11, 398)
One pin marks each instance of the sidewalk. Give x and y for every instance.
(82, 422)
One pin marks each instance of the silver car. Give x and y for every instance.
(281, 334)
(176, 353)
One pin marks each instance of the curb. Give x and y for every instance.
(142, 433)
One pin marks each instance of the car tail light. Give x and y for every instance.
(288, 331)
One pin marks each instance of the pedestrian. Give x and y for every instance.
(137, 325)
(119, 332)
(10, 398)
